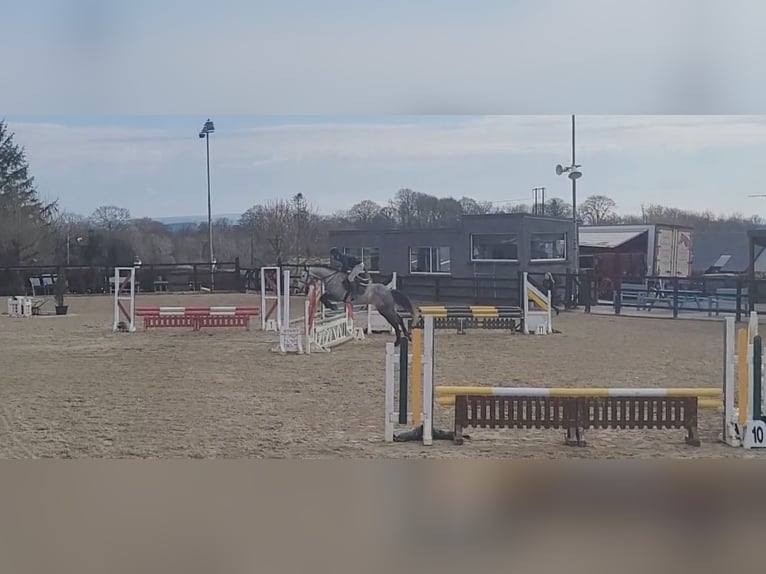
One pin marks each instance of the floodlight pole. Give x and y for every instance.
(205, 132)
(576, 242)
(210, 214)
(573, 173)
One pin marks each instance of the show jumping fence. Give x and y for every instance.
(318, 330)
(577, 409)
(125, 310)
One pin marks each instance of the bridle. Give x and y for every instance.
(307, 278)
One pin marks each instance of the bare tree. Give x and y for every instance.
(405, 206)
(273, 224)
(470, 206)
(597, 209)
(110, 217)
(365, 212)
(557, 207)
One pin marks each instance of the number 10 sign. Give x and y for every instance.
(755, 435)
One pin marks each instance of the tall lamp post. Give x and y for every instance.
(574, 174)
(205, 132)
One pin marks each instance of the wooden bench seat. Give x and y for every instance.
(460, 324)
(576, 414)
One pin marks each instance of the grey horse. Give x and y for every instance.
(366, 293)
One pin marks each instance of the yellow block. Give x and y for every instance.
(462, 391)
(537, 299)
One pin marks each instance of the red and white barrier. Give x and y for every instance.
(197, 317)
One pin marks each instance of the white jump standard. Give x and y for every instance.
(124, 292)
(20, 306)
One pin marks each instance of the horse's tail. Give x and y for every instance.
(402, 300)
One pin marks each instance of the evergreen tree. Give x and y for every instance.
(24, 219)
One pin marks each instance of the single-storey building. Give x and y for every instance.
(727, 252)
(492, 245)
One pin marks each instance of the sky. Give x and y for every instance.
(156, 167)
(345, 100)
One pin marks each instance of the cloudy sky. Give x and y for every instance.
(327, 98)
(156, 166)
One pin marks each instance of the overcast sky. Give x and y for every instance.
(89, 66)
(156, 166)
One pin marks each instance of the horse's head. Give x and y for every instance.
(306, 279)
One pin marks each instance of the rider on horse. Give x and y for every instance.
(350, 265)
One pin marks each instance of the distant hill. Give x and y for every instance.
(178, 222)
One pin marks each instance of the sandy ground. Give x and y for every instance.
(71, 388)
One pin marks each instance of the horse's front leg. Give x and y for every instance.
(393, 319)
(327, 302)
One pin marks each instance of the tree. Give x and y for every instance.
(365, 212)
(24, 219)
(447, 213)
(272, 224)
(405, 206)
(110, 217)
(470, 206)
(597, 209)
(556, 207)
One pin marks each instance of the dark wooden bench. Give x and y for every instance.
(460, 324)
(576, 414)
(725, 299)
(462, 317)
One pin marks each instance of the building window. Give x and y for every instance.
(430, 260)
(548, 246)
(494, 247)
(369, 255)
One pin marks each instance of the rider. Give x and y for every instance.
(350, 265)
(549, 284)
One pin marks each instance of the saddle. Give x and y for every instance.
(360, 283)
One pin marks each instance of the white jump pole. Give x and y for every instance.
(284, 300)
(428, 380)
